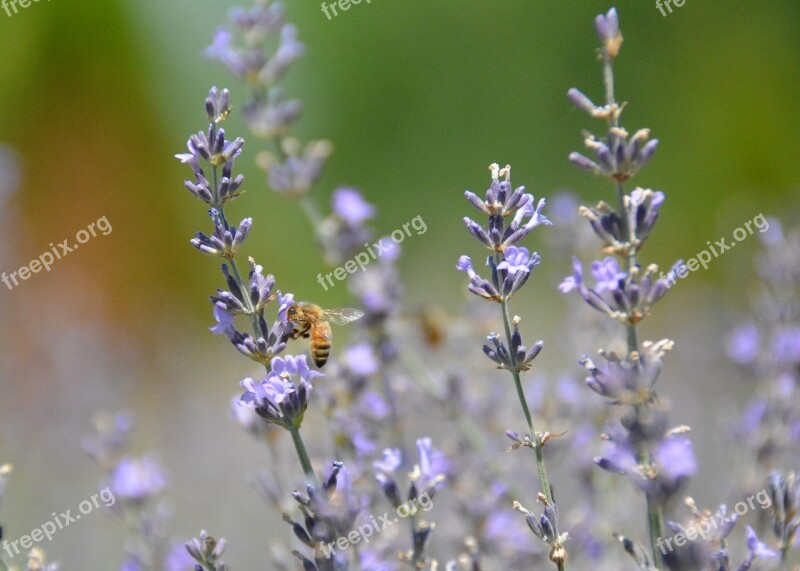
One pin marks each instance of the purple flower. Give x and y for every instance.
(284, 301)
(743, 344)
(392, 459)
(289, 50)
(517, 260)
(624, 380)
(477, 285)
(753, 415)
(373, 405)
(137, 479)
(626, 300)
(502, 530)
(361, 442)
(351, 207)
(607, 25)
(371, 560)
(222, 50)
(303, 167)
(786, 346)
(575, 280)
(278, 390)
(224, 322)
(290, 365)
(607, 274)
(278, 399)
(675, 458)
(178, 559)
(501, 203)
(261, 286)
(131, 564)
(618, 458)
(360, 360)
(433, 464)
(757, 548)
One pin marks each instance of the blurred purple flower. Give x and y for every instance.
(757, 548)
(371, 560)
(675, 457)
(433, 464)
(392, 459)
(373, 405)
(351, 207)
(137, 479)
(178, 559)
(786, 346)
(360, 360)
(743, 342)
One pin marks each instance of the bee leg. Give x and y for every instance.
(300, 331)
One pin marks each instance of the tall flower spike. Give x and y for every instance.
(512, 214)
(278, 398)
(640, 445)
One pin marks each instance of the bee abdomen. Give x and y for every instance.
(320, 353)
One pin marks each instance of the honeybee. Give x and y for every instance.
(311, 321)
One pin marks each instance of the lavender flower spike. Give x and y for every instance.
(511, 266)
(641, 446)
(280, 398)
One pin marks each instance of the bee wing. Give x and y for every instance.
(324, 331)
(342, 316)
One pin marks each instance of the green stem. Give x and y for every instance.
(543, 480)
(302, 455)
(312, 211)
(608, 79)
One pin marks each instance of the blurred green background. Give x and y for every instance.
(418, 98)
